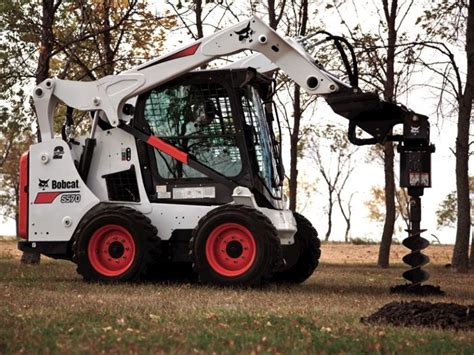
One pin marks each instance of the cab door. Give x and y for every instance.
(195, 113)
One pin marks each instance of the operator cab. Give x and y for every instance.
(226, 120)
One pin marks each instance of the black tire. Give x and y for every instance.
(239, 221)
(131, 239)
(303, 256)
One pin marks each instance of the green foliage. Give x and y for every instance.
(89, 40)
(445, 19)
(337, 139)
(16, 145)
(447, 212)
(377, 201)
(100, 38)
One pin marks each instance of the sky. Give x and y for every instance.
(366, 175)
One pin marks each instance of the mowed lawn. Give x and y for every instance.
(49, 309)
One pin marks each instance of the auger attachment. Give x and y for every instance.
(416, 259)
(378, 118)
(415, 174)
(416, 243)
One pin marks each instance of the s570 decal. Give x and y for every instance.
(49, 197)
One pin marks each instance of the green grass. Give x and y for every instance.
(48, 309)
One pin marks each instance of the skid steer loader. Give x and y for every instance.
(183, 166)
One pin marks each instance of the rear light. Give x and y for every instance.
(23, 197)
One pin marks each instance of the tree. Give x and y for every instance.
(49, 8)
(77, 40)
(295, 23)
(377, 201)
(390, 13)
(301, 24)
(387, 71)
(104, 37)
(9, 176)
(333, 155)
(453, 22)
(461, 247)
(447, 212)
(346, 211)
(196, 15)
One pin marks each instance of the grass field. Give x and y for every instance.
(48, 309)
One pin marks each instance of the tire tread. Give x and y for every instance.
(273, 242)
(152, 243)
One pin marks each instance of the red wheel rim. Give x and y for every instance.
(231, 249)
(111, 250)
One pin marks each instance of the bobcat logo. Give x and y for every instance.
(43, 184)
(245, 33)
(58, 152)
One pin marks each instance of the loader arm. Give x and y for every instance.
(110, 93)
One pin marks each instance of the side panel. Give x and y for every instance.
(116, 151)
(168, 217)
(58, 198)
(284, 223)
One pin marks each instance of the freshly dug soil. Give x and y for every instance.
(420, 290)
(424, 314)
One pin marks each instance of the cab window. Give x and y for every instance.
(259, 134)
(197, 119)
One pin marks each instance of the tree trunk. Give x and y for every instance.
(389, 91)
(461, 247)
(348, 229)
(272, 19)
(390, 210)
(42, 73)
(107, 41)
(198, 13)
(47, 41)
(331, 204)
(345, 215)
(199, 24)
(294, 139)
(460, 260)
(297, 113)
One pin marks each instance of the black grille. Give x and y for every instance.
(122, 186)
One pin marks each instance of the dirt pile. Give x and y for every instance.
(420, 290)
(424, 314)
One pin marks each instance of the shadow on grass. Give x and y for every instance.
(48, 274)
(367, 266)
(330, 289)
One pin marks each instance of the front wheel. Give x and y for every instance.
(303, 256)
(114, 244)
(235, 245)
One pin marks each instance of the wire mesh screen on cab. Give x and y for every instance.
(196, 118)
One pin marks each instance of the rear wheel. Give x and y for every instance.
(235, 245)
(303, 256)
(114, 244)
